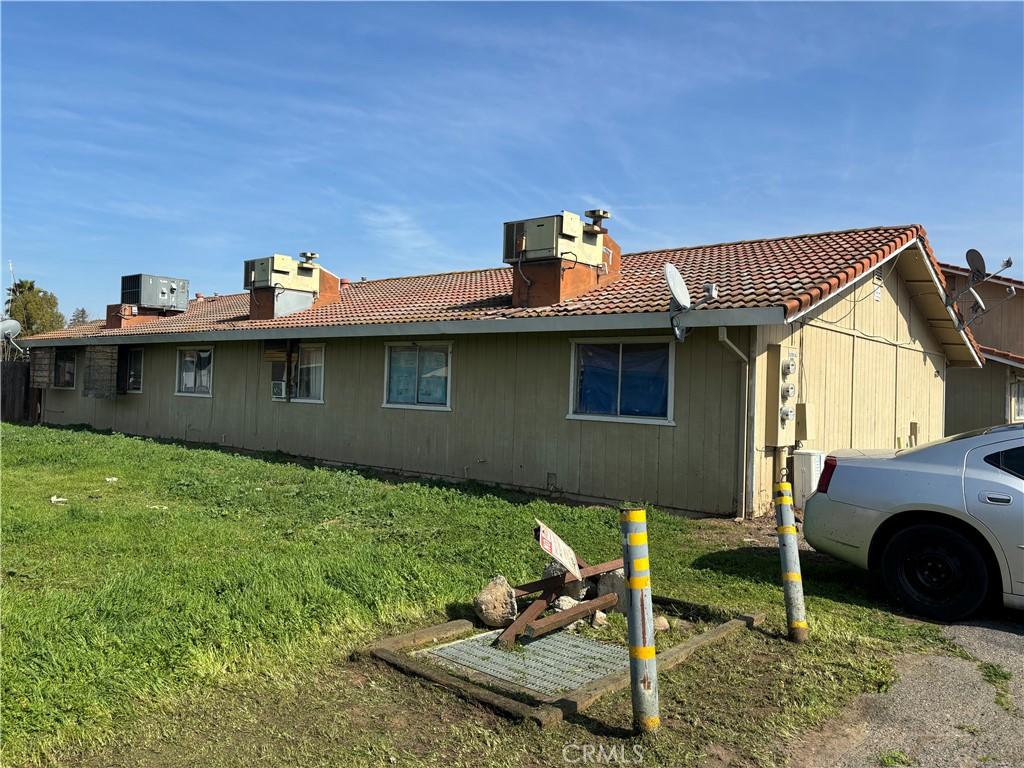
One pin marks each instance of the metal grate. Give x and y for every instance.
(549, 665)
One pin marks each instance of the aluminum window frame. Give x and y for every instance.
(323, 376)
(142, 369)
(668, 420)
(1016, 386)
(388, 346)
(74, 369)
(177, 370)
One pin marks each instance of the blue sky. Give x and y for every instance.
(395, 139)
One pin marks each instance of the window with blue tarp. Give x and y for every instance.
(418, 375)
(627, 379)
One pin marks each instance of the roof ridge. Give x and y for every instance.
(895, 227)
(429, 274)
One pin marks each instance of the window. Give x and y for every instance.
(417, 376)
(195, 372)
(133, 370)
(1010, 460)
(628, 380)
(64, 368)
(1017, 400)
(307, 375)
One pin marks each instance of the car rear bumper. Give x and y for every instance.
(841, 530)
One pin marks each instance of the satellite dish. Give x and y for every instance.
(9, 328)
(976, 262)
(677, 286)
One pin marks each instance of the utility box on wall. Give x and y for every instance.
(807, 466)
(781, 393)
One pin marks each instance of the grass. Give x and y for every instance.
(894, 757)
(999, 678)
(204, 598)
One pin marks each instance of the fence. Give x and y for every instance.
(15, 395)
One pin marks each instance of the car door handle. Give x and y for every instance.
(990, 497)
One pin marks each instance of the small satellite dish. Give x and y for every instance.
(9, 328)
(677, 286)
(976, 262)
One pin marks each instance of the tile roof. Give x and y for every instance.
(956, 269)
(792, 273)
(995, 352)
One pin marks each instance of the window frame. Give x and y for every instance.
(142, 368)
(1014, 384)
(323, 375)
(668, 420)
(74, 369)
(177, 370)
(388, 346)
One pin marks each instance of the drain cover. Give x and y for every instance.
(549, 665)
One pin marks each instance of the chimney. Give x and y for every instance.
(557, 258)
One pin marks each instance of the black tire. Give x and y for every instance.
(935, 571)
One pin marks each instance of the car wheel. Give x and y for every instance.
(935, 571)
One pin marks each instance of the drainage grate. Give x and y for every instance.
(549, 665)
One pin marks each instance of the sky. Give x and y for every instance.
(182, 139)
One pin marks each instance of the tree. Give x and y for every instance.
(79, 316)
(34, 308)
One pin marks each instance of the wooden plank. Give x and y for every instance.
(438, 633)
(508, 638)
(565, 618)
(556, 582)
(544, 715)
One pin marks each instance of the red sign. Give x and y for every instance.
(551, 543)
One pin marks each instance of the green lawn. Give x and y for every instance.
(201, 580)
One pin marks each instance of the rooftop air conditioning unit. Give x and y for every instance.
(279, 271)
(563, 236)
(155, 292)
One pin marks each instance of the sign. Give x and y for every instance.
(551, 543)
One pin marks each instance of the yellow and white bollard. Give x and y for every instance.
(789, 554)
(643, 669)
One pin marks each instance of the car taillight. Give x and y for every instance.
(826, 474)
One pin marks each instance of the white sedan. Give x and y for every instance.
(941, 525)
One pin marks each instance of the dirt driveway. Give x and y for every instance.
(943, 712)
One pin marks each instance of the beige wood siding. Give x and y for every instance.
(508, 425)
(977, 398)
(868, 368)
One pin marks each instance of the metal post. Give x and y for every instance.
(643, 669)
(789, 554)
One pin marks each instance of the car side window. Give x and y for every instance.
(1011, 460)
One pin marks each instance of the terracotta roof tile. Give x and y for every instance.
(787, 272)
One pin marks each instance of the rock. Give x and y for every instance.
(577, 590)
(599, 619)
(495, 604)
(615, 582)
(661, 624)
(564, 603)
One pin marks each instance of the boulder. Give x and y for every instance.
(495, 604)
(661, 624)
(577, 590)
(599, 619)
(615, 582)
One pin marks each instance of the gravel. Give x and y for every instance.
(941, 713)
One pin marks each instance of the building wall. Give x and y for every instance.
(868, 368)
(977, 398)
(508, 425)
(980, 398)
